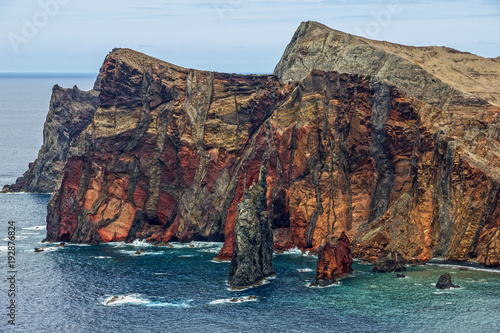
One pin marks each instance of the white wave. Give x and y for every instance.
(261, 283)
(40, 227)
(29, 233)
(133, 299)
(197, 245)
(235, 300)
(338, 284)
(187, 256)
(138, 299)
(214, 250)
(102, 257)
(4, 248)
(294, 250)
(442, 292)
(220, 261)
(146, 253)
(302, 270)
(472, 268)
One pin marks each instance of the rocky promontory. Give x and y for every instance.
(360, 136)
(70, 112)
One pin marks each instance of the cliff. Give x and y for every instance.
(383, 150)
(70, 112)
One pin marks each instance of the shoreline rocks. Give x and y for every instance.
(444, 282)
(389, 262)
(334, 261)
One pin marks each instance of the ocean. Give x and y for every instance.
(180, 289)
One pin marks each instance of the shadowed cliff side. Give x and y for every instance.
(70, 112)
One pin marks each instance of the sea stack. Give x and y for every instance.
(444, 282)
(252, 259)
(334, 262)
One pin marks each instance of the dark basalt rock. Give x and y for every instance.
(70, 112)
(389, 262)
(252, 259)
(444, 282)
(39, 249)
(400, 276)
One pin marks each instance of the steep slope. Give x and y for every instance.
(396, 166)
(436, 75)
(70, 112)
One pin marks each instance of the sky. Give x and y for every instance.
(236, 36)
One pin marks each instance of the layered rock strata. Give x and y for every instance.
(334, 261)
(252, 259)
(70, 112)
(396, 163)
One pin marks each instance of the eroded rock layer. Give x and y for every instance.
(170, 151)
(70, 112)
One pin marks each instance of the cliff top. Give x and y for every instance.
(141, 60)
(324, 46)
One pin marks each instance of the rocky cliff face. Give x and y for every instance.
(70, 112)
(252, 259)
(397, 159)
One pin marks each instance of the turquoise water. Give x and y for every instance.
(181, 289)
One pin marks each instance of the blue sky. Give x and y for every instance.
(240, 36)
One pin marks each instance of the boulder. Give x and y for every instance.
(389, 262)
(444, 282)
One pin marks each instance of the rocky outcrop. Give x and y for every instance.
(389, 262)
(444, 282)
(436, 75)
(334, 261)
(252, 259)
(70, 112)
(397, 163)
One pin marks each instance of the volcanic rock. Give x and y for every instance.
(444, 282)
(252, 259)
(361, 137)
(70, 112)
(334, 262)
(389, 262)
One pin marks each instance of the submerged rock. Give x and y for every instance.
(334, 262)
(444, 282)
(112, 300)
(389, 262)
(252, 259)
(39, 249)
(400, 276)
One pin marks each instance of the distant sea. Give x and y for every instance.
(180, 289)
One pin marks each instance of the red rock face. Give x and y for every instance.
(334, 261)
(171, 151)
